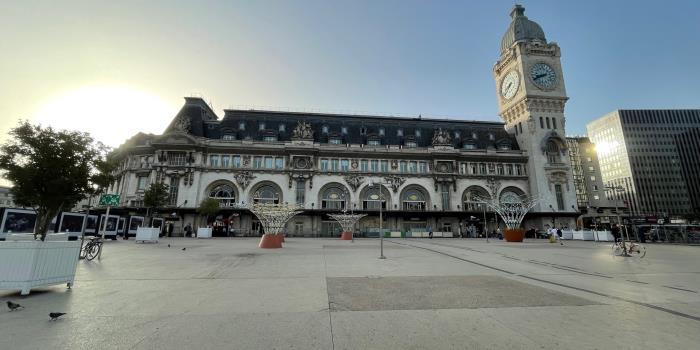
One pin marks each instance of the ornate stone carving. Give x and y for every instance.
(353, 164)
(246, 161)
(394, 164)
(303, 131)
(243, 178)
(182, 123)
(301, 177)
(395, 182)
(354, 181)
(493, 185)
(442, 138)
(302, 163)
(558, 178)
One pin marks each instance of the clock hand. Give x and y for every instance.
(537, 77)
(508, 87)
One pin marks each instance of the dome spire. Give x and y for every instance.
(517, 11)
(521, 29)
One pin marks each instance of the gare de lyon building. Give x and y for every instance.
(424, 173)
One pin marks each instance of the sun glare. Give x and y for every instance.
(111, 114)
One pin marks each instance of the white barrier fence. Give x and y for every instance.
(28, 264)
(147, 234)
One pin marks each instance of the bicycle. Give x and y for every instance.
(91, 249)
(625, 247)
(629, 249)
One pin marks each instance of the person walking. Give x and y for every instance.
(430, 232)
(560, 235)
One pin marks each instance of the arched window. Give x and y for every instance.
(511, 195)
(266, 194)
(473, 199)
(413, 199)
(333, 198)
(225, 194)
(371, 200)
(552, 150)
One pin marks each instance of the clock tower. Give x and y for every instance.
(531, 100)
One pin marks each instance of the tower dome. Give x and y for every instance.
(521, 29)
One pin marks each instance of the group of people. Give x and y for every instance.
(555, 234)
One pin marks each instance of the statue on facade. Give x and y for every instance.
(244, 178)
(182, 123)
(442, 138)
(395, 182)
(303, 131)
(354, 181)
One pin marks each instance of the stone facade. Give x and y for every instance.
(432, 172)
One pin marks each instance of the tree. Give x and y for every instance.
(156, 196)
(208, 206)
(53, 170)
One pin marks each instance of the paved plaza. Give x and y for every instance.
(331, 294)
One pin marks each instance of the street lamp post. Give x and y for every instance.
(381, 235)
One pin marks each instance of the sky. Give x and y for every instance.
(114, 68)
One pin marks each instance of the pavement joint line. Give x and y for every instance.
(640, 282)
(565, 268)
(651, 306)
(683, 289)
(330, 315)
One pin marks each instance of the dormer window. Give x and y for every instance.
(228, 137)
(241, 125)
(335, 141)
(270, 138)
(469, 145)
(399, 132)
(417, 133)
(261, 126)
(475, 136)
(282, 127)
(504, 147)
(492, 136)
(324, 129)
(363, 130)
(373, 143)
(457, 134)
(411, 144)
(381, 131)
(344, 130)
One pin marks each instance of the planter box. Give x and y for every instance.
(52, 237)
(604, 236)
(515, 235)
(204, 232)
(147, 234)
(28, 264)
(583, 235)
(567, 234)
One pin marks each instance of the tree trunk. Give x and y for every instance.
(44, 217)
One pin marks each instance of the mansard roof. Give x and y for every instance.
(197, 119)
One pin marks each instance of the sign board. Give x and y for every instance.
(111, 200)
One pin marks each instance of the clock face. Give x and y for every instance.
(543, 75)
(510, 85)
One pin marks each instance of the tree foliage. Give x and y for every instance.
(52, 170)
(208, 206)
(156, 195)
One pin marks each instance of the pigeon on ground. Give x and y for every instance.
(14, 306)
(55, 315)
(184, 248)
(168, 245)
